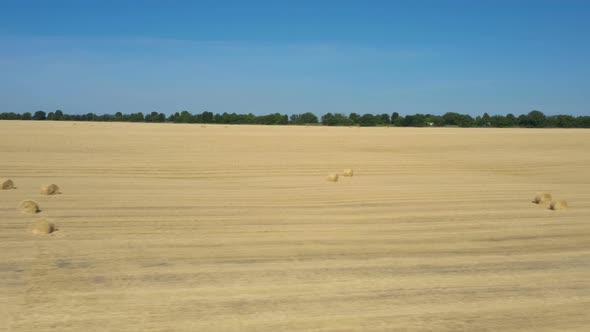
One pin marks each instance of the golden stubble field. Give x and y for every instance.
(166, 227)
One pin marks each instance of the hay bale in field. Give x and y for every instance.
(332, 177)
(542, 198)
(51, 189)
(28, 206)
(348, 172)
(6, 184)
(558, 205)
(42, 227)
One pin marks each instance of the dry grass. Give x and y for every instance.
(51, 189)
(167, 227)
(542, 198)
(28, 206)
(42, 227)
(348, 172)
(6, 184)
(332, 178)
(558, 205)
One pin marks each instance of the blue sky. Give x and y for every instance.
(296, 56)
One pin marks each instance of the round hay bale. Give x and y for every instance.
(28, 206)
(542, 198)
(51, 189)
(348, 172)
(332, 177)
(42, 227)
(558, 205)
(6, 184)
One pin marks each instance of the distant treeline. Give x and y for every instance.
(534, 119)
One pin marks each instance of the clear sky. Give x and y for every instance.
(295, 56)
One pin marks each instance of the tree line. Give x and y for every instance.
(533, 119)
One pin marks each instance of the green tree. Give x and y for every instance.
(58, 115)
(368, 120)
(118, 116)
(522, 120)
(39, 115)
(354, 118)
(484, 121)
(434, 120)
(417, 120)
(456, 119)
(394, 118)
(155, 117)
(565, 121)
(451, 119)
(304, 118)
(10, 116)
(186, 117)
(511, 119)
(336, 119)
(174, 117)
(536, 119)
(272, 119)
(136, 117)
(583, 122)
(207, 117)
(499, 121)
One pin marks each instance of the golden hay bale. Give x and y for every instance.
(348, 172)
(51, 189)
(558, 205)
(6, 184)
(42, 227)
(332, 177)
(542, 198)
(28, 206)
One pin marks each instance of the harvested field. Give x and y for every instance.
(172, 227)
